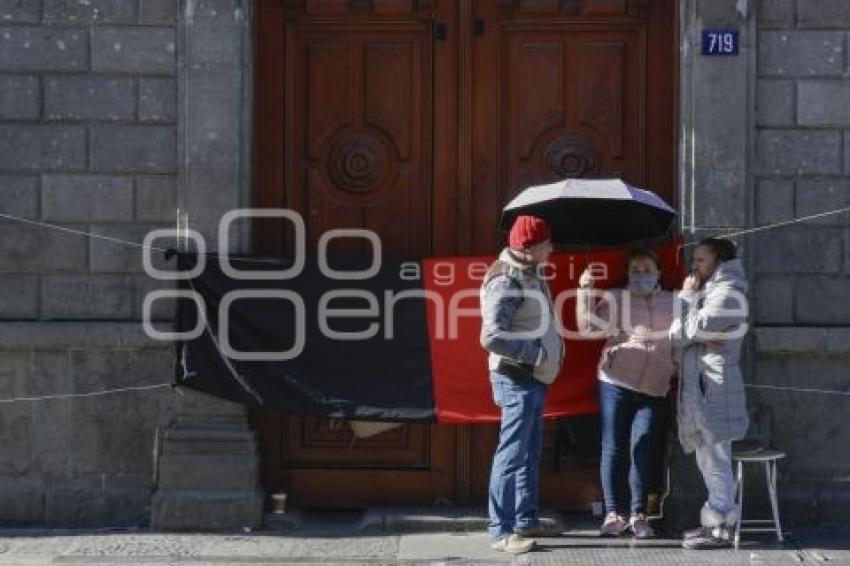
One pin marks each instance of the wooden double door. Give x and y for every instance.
(419, 119)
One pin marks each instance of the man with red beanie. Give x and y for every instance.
(520, 332)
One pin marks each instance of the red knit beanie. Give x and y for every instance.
(527, 231)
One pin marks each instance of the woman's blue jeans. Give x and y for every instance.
(513, 492)
(632, 429)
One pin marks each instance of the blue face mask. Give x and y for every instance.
(642, 284)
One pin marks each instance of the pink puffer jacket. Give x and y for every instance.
(645, 363)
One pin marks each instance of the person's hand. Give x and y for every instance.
(692, 283)
(587, 280)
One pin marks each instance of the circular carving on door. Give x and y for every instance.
(358, 163)
(572, 155)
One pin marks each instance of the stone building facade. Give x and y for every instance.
(115, 113)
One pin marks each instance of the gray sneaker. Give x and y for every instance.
(707, 538)
(639, 525)
(699, 531)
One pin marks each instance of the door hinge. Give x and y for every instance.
(439, 31)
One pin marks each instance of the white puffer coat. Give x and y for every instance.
(712, 404)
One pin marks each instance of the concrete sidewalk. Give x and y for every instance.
(342, 538)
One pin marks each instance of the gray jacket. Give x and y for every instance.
(712, 405)
(518, 319)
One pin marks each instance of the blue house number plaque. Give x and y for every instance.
(720, 42)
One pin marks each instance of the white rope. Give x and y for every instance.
(777, 224)
(79, 232)
(119, 240)
(798, 389)
(89, 394)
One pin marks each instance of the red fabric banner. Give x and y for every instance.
(458, 363)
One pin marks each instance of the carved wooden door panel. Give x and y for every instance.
(570, 88)
(356, 110)
(566, 88)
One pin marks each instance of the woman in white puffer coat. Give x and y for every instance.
(712, 409)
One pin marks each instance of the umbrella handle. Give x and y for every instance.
(587, 253)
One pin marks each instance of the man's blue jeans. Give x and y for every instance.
(631, 424)
(514, 484)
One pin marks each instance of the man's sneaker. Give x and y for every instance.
(514, 544)
(639, 525)
(613, 526)
(697, 532)
(707, 538)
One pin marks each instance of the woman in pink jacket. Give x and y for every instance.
(635, 371)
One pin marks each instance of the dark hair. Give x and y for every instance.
(723, 249)
(636, 253)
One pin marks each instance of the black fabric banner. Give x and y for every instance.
(384, 377)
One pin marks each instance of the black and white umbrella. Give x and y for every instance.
(594, 212)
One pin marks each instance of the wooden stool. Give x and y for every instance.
(769, 458)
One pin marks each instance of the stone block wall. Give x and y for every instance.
(80, 461)
(88, 142)
(801, 273)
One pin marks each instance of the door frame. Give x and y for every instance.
(457, 203)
